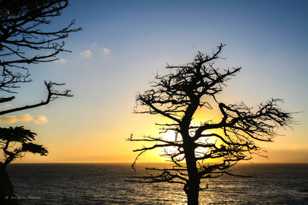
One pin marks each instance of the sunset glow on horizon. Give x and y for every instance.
(123, 44)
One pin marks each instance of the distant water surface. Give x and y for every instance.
(99, 184)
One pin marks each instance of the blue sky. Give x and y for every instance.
(124, 43)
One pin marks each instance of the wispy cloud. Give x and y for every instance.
(95, 51)
(106, 51)
(40, 119)
(87, 54)
(26, 118)
(61, 61)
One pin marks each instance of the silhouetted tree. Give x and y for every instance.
(27, 38)
(14, 143)
(25, 35)
(210, 148)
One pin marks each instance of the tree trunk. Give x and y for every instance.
(192, 193)
(6, 186)
(193, 185)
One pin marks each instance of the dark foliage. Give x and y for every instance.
(17, 141)
(26, 38)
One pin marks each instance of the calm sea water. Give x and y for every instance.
(98, 184)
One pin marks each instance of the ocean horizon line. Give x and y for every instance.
(153, 163)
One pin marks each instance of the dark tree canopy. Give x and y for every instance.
(27, 37)
(25, 34)
(210, 148)
(17, 141)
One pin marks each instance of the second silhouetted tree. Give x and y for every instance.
(209, 148)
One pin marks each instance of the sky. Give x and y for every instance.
(123, 44)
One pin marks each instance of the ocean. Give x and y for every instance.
(99, 184)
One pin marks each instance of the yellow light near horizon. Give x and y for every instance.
(172, 137)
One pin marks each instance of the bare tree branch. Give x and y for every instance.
(210, 149)
(52, 94)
